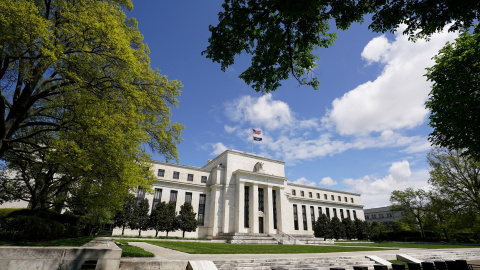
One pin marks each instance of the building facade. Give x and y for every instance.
(382, 214)
(238, 192)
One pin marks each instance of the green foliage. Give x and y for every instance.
(350, 229)
(322, 227)
(123, 217)
(139, 218)
(338, 231)
(281, 35)
(413, 204)
(455, 100)
(186, 219)
(133, 251)
(164, 218)
(362, 229)
(31, 228)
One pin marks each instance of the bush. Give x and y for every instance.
(32, 228)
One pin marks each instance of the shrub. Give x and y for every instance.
(32, 228)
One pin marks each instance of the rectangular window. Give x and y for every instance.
(339, 198)
(325, 196)
(310, 194)
(367, 217)
(274, 199)
(157, 197)
(190, 177)
(295, 217)
(312, 216)
(348, 214)
(204, 179)
(161, 172)
(332, 197)
(327, 212)
(354, 214)
(173, 196)
(140, 195)
(304, 216)
(294, 193)
(188, 197)
(246, 207)
(260, 199)
(302, 193)
(201, 209)
(351, 200)
(346, 199)
(320, 211)
(341, 214)
(380, 215)
(318, 195)
(176, 175)
(334, 212)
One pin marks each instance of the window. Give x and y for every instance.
(312, 216)
(341, 214)
(302, 193)
(295, 217)
(304, 216)
(176, 175)
(325, 196)
(173, 196)
(389, 215)
(318, 195)
(348, 214)
(204, 179)
(351, 200)
(190, 177)
(157, 197)
(319, 211)
(367, 217)
(374, 216)
(327, 211)
(294, 192)
(310, 194)
(188, 197)
(246, 207)
(339, 198)
(346, 199)
(354, 214)
(260, 199)
(332, 197)
(380, 215)
(140, 195)
(334, 212)
(161, 172)
(201, 209)
(274, 199)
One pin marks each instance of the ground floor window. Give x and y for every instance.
(201, 209)
(312, 213)
(295, 217)
(246, 207)
(304, 216)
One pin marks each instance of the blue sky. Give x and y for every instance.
(365, 130)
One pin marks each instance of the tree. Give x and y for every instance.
(281, 35)
(338, 231)
(456, 177)
(186, 219)
(412, 203)
(362, 229)
(59, 58)
(350, 229)
(454, 100)
(123, 217)
(139, 219)
(322, 227)
(164, 218)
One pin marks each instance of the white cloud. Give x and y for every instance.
(229, 129)
(262, 112)
(304, 181)
(376, 191)
(328, 181)
(218, 148)
(395, 100)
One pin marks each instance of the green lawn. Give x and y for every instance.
(68, 242)
(223, 248)
(406, 245)
(132, 251)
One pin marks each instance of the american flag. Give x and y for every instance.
(257, 131)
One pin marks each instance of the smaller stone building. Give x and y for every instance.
(382, 214)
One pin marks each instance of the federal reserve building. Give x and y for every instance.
(239, 193)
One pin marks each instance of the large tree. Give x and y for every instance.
(455, 97)
(413, 204)
(60, 58)
(186, 219)
(322, 227)
(281, 34)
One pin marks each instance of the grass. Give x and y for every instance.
(132, 251)
(67, 242)
(159, 237)
(406, 245)
(224, 248)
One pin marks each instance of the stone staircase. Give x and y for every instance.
(247, 238)
(294, 263)
(439, 255)
(308, 239)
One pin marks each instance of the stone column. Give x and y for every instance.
(254, 209)
(212, 215)
(239, 212)
(268, 212)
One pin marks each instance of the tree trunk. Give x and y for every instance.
(156, 233)
(139, 232)
(183, 234)
(167, 234)
(123, 228)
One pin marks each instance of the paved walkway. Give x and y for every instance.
(168, 254)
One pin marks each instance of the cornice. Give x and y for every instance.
(260, 175)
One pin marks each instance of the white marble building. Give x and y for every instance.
(239, 192)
